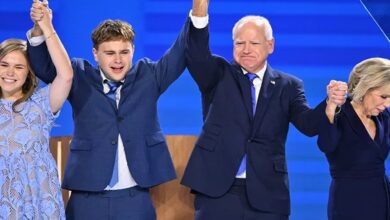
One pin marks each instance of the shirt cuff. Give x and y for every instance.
(199, 22)
(34, 41)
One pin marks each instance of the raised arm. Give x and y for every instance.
(172, 64)
(200, 8)
(59, 90)
(329, 130)
(336, 91)
(202, 65)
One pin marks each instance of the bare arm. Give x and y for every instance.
(42, 16)
(200, 8)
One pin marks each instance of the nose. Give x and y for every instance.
(117, 58)
(10, 71)
(246, 48)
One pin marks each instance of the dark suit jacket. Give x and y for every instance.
(359, 190)
(97, 123)
(230, 131)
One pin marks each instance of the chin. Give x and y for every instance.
(376, 113)
(117, 77)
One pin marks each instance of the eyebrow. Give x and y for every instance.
(20, 65)
(250, 41)
(114, 51)
(17, 65)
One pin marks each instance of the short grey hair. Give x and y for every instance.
(259, 20)
(369, 74)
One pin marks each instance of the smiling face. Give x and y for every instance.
(13, 74)
(251, 48)
(376, 101)
(114, 58)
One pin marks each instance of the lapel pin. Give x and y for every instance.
(272, 82)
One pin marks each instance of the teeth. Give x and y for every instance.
(9, 80)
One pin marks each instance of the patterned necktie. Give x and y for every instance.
(251, 77)
(112, 95)
(113, 87)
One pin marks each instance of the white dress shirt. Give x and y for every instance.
(125, 180)
(257, 84)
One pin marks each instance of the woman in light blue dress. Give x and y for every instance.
(29, 184)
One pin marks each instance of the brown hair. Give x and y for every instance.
(112, 30)
(31, 82)
(368, 75)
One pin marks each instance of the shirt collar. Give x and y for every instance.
(260, 73)
(104, 78)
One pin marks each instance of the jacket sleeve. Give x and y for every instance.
(172, 64)
(304, 118)
(329, 134)
(204, 68)
(41, 62)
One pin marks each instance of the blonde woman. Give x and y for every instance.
(356, 142)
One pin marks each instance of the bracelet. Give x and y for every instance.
(51, 35)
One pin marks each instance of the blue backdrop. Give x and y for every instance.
(316, 40)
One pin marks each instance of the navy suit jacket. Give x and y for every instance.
(230, 131)
(97, 123)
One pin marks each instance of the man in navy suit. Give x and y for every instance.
(237, 169)
(118, 150)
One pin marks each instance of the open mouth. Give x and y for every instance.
(8, 80)
(117, 69)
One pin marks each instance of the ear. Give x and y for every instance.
(133, 46)
(95, 54)
(270, 46)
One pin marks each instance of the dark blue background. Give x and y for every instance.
(316, 40)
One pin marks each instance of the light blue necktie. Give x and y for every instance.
(112, 95)
(112, 92)
(251, 77)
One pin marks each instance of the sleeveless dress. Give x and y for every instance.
(29, 184)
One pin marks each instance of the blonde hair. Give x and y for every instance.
(369, 74)
(31, 82)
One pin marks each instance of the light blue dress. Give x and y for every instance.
(29, 184)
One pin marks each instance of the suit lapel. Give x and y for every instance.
(245, 89)
(380, 136)
(128, 84)
(268, 85)
(358, 127)
(354, 120)
(96, 79)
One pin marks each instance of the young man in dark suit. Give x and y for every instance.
(118, 150)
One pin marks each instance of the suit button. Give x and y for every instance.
(120, 119)
(249, 140)
(113, 142)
